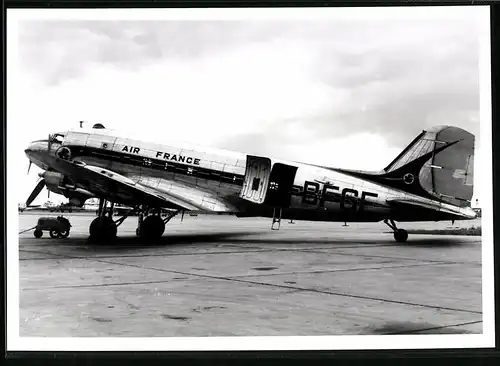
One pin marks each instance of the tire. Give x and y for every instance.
(64, 234)
(53, 233)
(401, 235)
(38, 233)
(103, 229)
(152, 227)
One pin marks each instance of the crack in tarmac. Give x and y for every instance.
(315, 250)
(298, 288)
(252, 250)
(387, 257)
(230, 279)
(343, 270)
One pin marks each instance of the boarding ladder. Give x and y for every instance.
(276, 217)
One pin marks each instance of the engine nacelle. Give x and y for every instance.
(78, 200)
(53, 180)
(60, 184)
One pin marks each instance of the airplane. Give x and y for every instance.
(430, 180)
(47, 206)
(21, 207)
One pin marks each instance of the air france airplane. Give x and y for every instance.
(430, 180)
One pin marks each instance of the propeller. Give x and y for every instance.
(38, 188)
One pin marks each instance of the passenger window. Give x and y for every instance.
(255, 184)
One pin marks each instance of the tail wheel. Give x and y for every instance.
(401, 235)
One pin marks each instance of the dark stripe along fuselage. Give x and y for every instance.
(157, 164)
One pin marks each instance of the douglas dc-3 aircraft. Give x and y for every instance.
(430, 180)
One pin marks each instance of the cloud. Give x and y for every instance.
(230, 93)
(366, 75)
(57, 50)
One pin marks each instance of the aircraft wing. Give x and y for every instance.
(409, 203)
(118, 188)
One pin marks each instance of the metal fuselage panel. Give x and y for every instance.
(214, 179)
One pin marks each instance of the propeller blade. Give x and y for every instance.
(36, 192)
(29, 167)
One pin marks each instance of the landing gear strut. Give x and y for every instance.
(400, 235)
(153, 226)
(103, 227)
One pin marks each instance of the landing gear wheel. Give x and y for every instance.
(102, 229)
(38, 233)
(401, 235)
(63, 234)
(152, 227)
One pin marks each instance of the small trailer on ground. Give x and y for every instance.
(58, 227)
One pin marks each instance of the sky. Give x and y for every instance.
(348, 92)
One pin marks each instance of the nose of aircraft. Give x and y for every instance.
(36, 146)
(37, 153)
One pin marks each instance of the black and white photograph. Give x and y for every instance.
(249, 179)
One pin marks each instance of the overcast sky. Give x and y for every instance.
(343, 92)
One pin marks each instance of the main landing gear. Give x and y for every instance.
(103, 228)
(400, 235)
(153, 226)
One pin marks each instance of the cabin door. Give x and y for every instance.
(281, 181)
(256, 180)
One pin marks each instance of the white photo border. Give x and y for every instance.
(354, 342)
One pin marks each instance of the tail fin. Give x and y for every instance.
(444, 156)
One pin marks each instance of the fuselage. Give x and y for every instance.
(214, 179)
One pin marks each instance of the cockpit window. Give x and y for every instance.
(57, 138)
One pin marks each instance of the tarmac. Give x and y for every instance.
(224, 276)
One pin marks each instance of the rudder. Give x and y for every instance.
(448, 175)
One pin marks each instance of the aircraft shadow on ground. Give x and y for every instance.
(430, 242)
(248, 237)
(395, 328)
(436, 242)
(170, 240)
